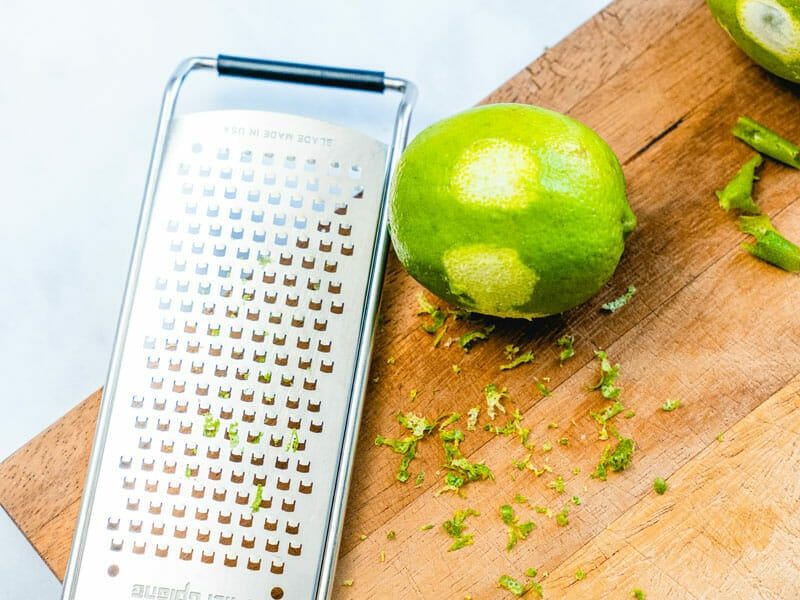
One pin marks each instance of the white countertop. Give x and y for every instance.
(78, 103)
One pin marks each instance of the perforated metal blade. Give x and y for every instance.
(224, 432)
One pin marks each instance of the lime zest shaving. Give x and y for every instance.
(460, 470)
(770, 246)
(738, 193)
(670, 405)
(522, 359)
(494, 400)
(210, 425)
(255, 505)
(562, 517)
(233, 434)
(557, 484)
(566, 343)
(615, 460)
(766, 141)
(419, 427)
(659, 485)
(608, 376)
(455, 529)
(618, 303)
(472, 417)
(516, 530)
(513, 426)
(468, 339)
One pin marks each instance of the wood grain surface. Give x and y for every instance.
(710, 325)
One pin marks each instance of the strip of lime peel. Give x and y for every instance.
(766, 141)
(738, 193)
(770, 246)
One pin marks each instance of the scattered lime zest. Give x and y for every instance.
(438, 339)
(494, 400)
(448, 419)
(580, 575)
(413, 393)
(576, 500)
(671, 404)
(522, 359)
(363, 537)
(659, 485)
(608, 376)
(720, 437)
(576, 470)
(566, 343)
(766, 141)
(770, 245)
(618, 303)
(391, 535)
(738, 193)
(564, 441)
(543, 510)
(420, 479)
(210, 425)
(233, 434)
(407, 446)
(382, 556)
(638, 594)
(542, 386)
(468, 339)
(519, 499)
(557, 484)
(519, 589)
(547, 447)
(616, 460)
(456, 369)
(513, 426)
(512, 585)
(255, 505)
(455, 529)
(391, 360)
(521, 463)
(629, 414)
(608, 413)
(472, 417)
(562, 517)
(427, 527)
(510, 351)
(460, 469)
(347, 583)
(294, 442)
(552, 425)
(437, 316)
(516, 530)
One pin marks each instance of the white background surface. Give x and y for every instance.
(78, 101)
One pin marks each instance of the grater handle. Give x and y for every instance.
(354, 79)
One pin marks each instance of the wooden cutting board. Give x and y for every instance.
(710, 325)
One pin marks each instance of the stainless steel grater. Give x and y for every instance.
(226, 433)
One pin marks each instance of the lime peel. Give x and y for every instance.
(767, 142)
(738, 193)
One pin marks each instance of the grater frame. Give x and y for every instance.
(275, 71)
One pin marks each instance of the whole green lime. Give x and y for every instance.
(510, 210)
(767, 30)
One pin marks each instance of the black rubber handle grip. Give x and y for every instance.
(354, 79)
